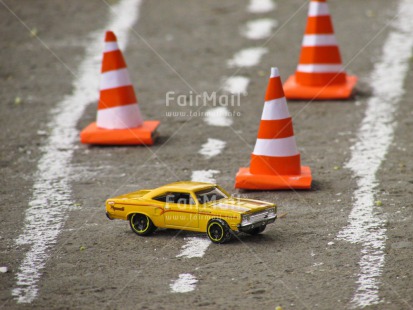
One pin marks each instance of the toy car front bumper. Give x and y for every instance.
(257, 224)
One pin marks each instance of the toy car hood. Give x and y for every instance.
(241, 205)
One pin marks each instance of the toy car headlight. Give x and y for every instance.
(271, 212)
(245, 220)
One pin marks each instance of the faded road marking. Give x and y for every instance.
(184, 284)
(219, 116)
(51, 200)
(236, 85)
(194, 247)
(212, 147)
(261, 6)
(259, 29)
(204, 175)
(248, 57)
(374, 138)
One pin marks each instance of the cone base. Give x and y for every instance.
(245, 180)
(142, 135)
(293, 90)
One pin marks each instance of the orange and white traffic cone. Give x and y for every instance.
(319, 74)
(119, 120)
(275, 161)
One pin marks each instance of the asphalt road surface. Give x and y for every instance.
(346, 243)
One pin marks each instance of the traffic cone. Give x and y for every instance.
(275, 161)
(119, 120)
(319, 74)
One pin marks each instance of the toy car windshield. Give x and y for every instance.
(209, 195)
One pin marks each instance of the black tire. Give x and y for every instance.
(218, 231)
(141, 224)
(256, 230)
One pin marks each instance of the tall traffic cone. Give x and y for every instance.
(275, 161)
(319, 74)
(119, 120)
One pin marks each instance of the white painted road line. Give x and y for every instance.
(248, 57)
(374, 138)
(236, 85)
(204, 175)
(184, 284)
(219, 116)
(195, 247)
(261, 6)
(259, 29)
(212, 148)
(51, 200)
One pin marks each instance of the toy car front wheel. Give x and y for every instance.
(141, 224)
(256, 230)
(218, 231)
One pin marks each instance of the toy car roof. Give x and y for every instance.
(187, 185)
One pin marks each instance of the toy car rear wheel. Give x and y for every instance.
(218, 231)
(256, 230)
(141, 224)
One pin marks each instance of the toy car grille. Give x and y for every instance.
(259, 216)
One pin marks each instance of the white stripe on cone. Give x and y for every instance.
(276, 147)
(114, 79)
(110, 46)
(319, 40)
(122, 117)
(318, 9)
(275, 109)
(320, 68)
(274, 72)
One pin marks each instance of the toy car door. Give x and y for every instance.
(181, 210)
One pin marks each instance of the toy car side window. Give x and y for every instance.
(183, 198)
(163, 197)
(168, 197)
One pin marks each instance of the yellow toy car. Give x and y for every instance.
(194, 206)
